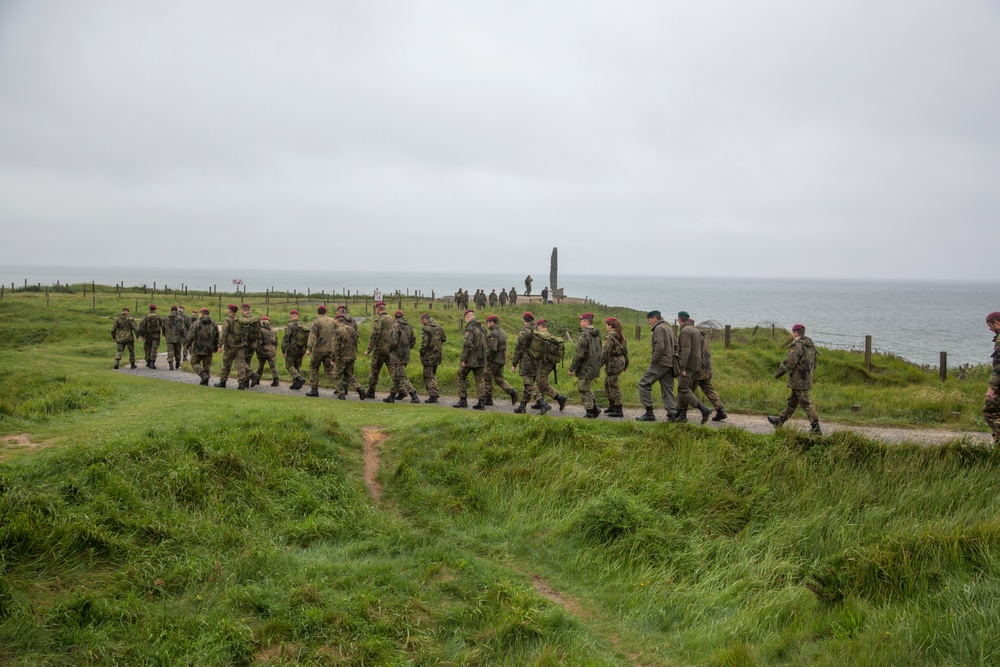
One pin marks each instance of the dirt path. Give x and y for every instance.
(373, 437)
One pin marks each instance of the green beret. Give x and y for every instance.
(683, 315)
(653, 313)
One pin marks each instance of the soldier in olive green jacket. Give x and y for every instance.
(614, 358)
(123, 333)
(496, 360)
(150, 329)
(174, 328)
(799, 364)
(378, 346)
(704, 381)
(345, 353)
(524, 364)
(543, 348)
(267, 350)
(293, 347)
(473, 361)
(321, 345)
(661, 369)
(232, 339)
(401, 341)
(432, 341)
(202, 341)
(586, 364)
(689, 357)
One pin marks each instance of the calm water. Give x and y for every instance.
(913, 320)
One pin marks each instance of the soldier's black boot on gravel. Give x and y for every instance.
(720, 415)
(520, 409)
(274, 382)
(400, 395)
(371, 393)
(775, 420)
(562, 402)
(592, 413)
(361, 394)
(116, 365)
(432, 399)
(815, 430)
(221, 384)
(617, 412)
(391, 398)
(313, 392)
(134, 366)
(462, 403)
(414, 398)
(646, 416)
(706, 412)
(680, 416)
(489, 401)
(170, 364)
(254, 380)
(480, 404)
(545, 406)
(243, 385)
(513, 396)
(537, 405)
(204, 379)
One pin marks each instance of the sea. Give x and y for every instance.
(914, 320)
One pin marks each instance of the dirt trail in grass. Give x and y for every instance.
(373, 437)
(20, 442)
(751, 423)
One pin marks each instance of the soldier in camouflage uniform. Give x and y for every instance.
(800, 365)
(150, 329)
(525, 365)
(191, 321)
(704, 381)
(431, 342)
(378, 346)
(174, 328)
(267, 350)
(342, 311)
(493, 299)
(512, 295)
(662, 368)
(401, 341)
(186, 325)
(321, 347)
(232, 339)
(202, 341)
(502, 298)
(473, 361)
(689, 356)
(345, 353)
(123, 333)
(479, 299)
(465, 299)
(614, 358)
(496, 360)
(293, 347)
(991, 410)
(527, 286)
(542, 348)
(586, 364)
(251, 328)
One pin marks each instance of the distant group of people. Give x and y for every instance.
(481, 299)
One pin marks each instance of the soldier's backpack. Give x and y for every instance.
(251, 330)
(301, 337)
(546, 347)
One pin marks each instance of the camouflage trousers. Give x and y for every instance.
(229, 356)
(665, 376)
(583, 385)
(201, 363)
(710, 393)
(542, 380)
(151, 346)
(378, 361)
(685, 392)
(431, 381)
(800, 399)
(270, 361)
(324, 359)
(185, 351)
(991, 414)
(495, 375)
(293, 362)
(121, 349)
(612, 390)
(249, 350)
(479, 373)
(400, 381)
(343, 376)
(174, 353)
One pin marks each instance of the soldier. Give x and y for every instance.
(267, 350)
(174, 328)
(232, 340)
(342, 310)
(465, 299)
(512, 295)
(195, 316)
(481, 299)
(661, 367)
(544, 346)
(431, 341)
(321, 347)
(527, 364)
(527, 286)
(704, 381)
(614, 358)
(493, 299)
(689, 356)
(251, 331)
(473, 361)
(293, 346)
(502, 298)
(458, 298)
(202, 340)
(401, 341)
(150, 329)
(123, 333)
(799, 364)
(991, 410)
(496, 360)
(378, 345)
(586, 364)
(186, 325)
(345, 353)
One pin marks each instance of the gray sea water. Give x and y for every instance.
(915, 320)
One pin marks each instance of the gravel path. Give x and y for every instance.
(751, 423)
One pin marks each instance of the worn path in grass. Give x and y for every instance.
(751, 423)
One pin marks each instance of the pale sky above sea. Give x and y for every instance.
(828, 139)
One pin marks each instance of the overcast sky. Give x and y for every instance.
(824, 139)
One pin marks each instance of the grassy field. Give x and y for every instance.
(152, 523)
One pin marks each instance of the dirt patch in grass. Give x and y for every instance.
(372, 438)
(11, 444)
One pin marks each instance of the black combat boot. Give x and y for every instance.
(675, 416)
(432, 399)
(489, 401)
(274, 382)
(170, 364)
(400, 395)
(720, 415)
(414, 398)
(462, 403)
(775, 420)
(562, 401)
(116, 364)
(204, 379)
(254, 380)
(341, 397)
(680, 416)
(361, 394)
(221, 383)
(513, 396)
(520, 409)
(608, 410)
(152, 365)
(617, 411)
(706, 412)
(537, 405)
(545, 407)
(134, 366)
(647, 416)
(313, 392)
(242, 385)
(592, 413)
(480, 404)
(391, 398)
(815, 430)
(371, 393)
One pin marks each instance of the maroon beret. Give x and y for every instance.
(233, 306)
(265, 317)
(379, 303)
(173, 308)
(293, 312)
(527, 316)
(205, 310)
(321, 309)
(798, 327)
(542, 321)
(469, 311)
(587, 316)
(609, 320)
(152, 306)
(492, 318)
(993, 316)
(398, 313)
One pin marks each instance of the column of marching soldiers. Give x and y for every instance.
(332, 344)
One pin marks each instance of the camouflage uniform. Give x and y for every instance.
(378, 349)
(493, 299)
(431, 341)
(267, 351)
(527, 286)
(251, 325)
(473, 360)
(661, 369)
(150, 329)
(991, 410)
(496, 361)
(293, 347)
(799, 364)
(503, 298)
(202, 341)
(174, 328)
(321, 347)
(526, 364)
(480, 299)
(191, 321)
(545, 367)
(614, 358)
(704, 381)
(512, 295)
(345, 353)
(401, 341)
(586, 365)
(350, 321)
(123, 333)
(233, 342)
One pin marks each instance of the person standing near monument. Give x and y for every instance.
(527, 285)
(502, 298)
(800, 364)
(150, 329)
(545, 294)
(512, 296)
(496, 360)
(123, 332)
(614, 358)
(202, 341)
(661, 367)
(586, 364)
(991, 409)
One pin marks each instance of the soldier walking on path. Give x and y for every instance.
(661, 367)
(150, 329)
(689, 357)
(192, 320)
(186, 322)
(174, 328)
(493, 299)
(293, 346)
(232, 342)
(704, 381)
(586, 364)
(800, 365)
(991, 410)
(547, 351)
(378, 346)
(401, 341)
(345, 352)
(614, 358)
(431, 342)
(473, 361)
(503, 298)
(251, 332)
(527, 286)
(342, 311)
(320, 347)
(202, 341)
(267, 350)
(496, 360)
(525, 365)
(123, 333)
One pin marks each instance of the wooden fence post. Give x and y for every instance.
(729, 333)
(638, 332)
(868, 354)
(944, 366)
